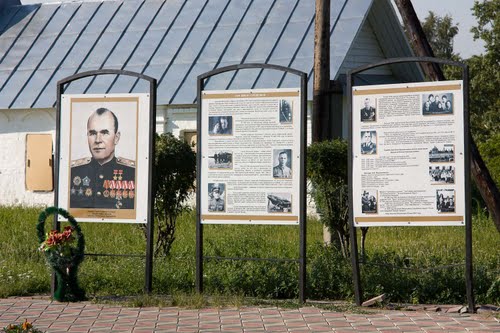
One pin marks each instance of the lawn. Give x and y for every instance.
(400, 261)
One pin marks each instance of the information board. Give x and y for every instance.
(250, 162)
(408, 154)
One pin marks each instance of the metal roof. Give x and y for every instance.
(171, 40)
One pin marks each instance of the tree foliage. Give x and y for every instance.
(485, 72)
(327, 171)
(174, 175)
(440, 32)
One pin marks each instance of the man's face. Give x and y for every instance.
(216, 193)
(223, 123)
(367, 138)
(432, 99)
(102, 137)
(282, 159)
(367, 103)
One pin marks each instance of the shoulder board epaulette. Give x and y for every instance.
(81, 161)
(125, 161)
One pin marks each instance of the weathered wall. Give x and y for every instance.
(14, 125)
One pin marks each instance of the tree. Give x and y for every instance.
(440, 32)
(174, 175)
(485, 72)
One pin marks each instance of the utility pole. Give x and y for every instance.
(321, 121)
(480, 173)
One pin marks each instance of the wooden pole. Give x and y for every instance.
(321, 123)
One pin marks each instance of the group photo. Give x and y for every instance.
(442, 174)
(445, 201)
(220, 160)
(436, 104)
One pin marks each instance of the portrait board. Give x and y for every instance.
(103, 175)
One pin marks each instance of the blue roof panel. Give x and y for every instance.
(171, 40)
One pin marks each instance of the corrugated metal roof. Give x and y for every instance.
(171, 40)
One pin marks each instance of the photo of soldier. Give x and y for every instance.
(368, 142)
(220, 160)
(102, 180)
(220, 125)
(216, 197)
(435, 104)
(285, 111)
(368, 112)
(279, 203)
(442, 175)
(442, 153)
(445, 201)
(283, 167)
(369, 202)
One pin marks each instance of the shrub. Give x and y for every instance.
(327, 171)
(174, 176)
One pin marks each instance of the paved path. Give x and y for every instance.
(56, 317)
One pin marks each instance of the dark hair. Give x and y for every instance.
(283, 152)
(101, 111)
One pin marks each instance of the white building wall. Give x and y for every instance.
(14, 125)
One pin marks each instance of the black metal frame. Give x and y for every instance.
(152, 130)
(467, 161)
(302, 184)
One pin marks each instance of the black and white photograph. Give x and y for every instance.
(369, 201)
(220, 159)
(369, 111)
(220, 125)
(442, 174)
(368, 142)
(216, 197)
(285, 111)
(282, 163)
(442, 153)
(279, 202)
(437, 104)
(445, 201)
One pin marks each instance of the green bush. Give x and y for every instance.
(327, 171)
(174, 176)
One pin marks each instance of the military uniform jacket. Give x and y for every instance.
(369, 148)
(282, 172)
(108, 186)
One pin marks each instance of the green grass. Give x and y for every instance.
(399, 262)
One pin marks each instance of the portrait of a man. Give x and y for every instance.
(368, 113)
(284, 167)
(368, 142)
(220, 125)
(102, 180)
(216, 202)
(285, 111)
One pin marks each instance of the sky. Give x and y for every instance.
(460, 10)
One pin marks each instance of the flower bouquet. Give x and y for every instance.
(25, 327)
(64, 252)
